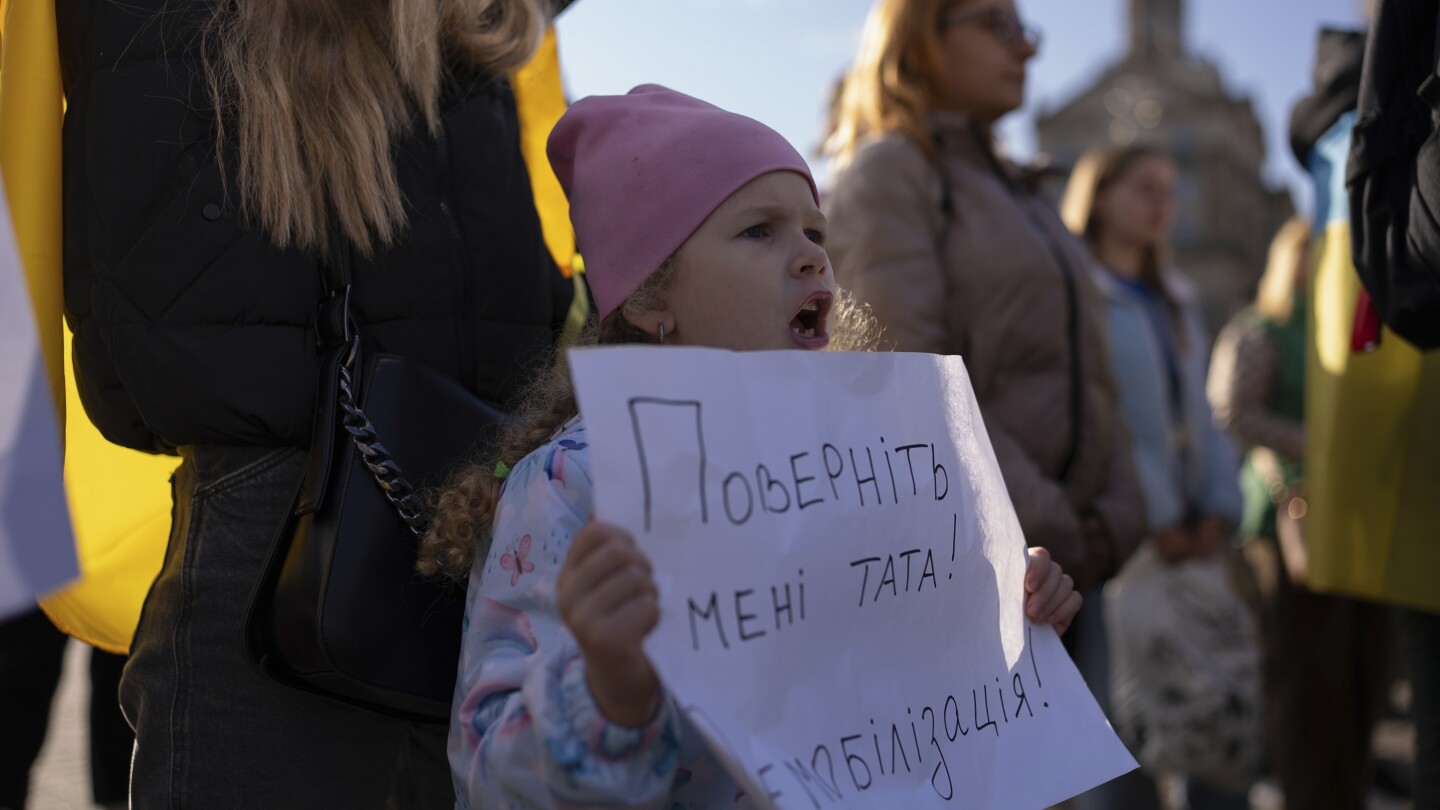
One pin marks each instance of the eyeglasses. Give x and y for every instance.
(1007, 28)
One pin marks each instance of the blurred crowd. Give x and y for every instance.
(1253, 517)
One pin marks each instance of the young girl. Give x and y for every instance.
(1121, 202)
(701, 228)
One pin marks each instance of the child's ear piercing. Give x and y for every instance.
(661, 327)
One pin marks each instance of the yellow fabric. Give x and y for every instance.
(119, 498)
(30, 113)
(1373, 453)
(120, 508)
(540, 99)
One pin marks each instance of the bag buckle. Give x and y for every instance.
(332, 323)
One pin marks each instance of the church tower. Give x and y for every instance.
(1157, 29)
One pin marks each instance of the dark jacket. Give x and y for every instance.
(1393, 176)
(191, 328)
(1336, 78)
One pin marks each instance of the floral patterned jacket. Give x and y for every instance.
(524, 730)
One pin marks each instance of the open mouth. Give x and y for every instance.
(808, 325)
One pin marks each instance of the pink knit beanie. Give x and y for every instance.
(645, 169)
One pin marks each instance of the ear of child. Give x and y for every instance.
(653, 318)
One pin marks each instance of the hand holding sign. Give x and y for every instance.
(607, 597)
(841, 577)
(1052, 598)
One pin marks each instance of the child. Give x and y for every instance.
(700, 228)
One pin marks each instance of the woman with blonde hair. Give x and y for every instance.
(1257, 387)
(957, 253)
(1120, 200)
(217, 157)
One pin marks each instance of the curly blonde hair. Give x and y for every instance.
(464, 509)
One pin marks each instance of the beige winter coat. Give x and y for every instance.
(989, 282)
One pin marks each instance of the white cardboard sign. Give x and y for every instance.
(37, 549)
(840, 572)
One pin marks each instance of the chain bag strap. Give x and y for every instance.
(339, 610)
(387, 473)
(336, 321)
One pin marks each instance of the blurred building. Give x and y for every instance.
(1160, 94)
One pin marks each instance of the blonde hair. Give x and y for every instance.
(312, 95)
(1275, 298)
(895, 80)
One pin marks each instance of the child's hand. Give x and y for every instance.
(1051, 595)
(608, 599)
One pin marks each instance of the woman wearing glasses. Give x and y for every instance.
(957, 253)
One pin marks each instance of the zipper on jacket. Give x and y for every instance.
(460, 256)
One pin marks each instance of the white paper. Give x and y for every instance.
(37, 548)
(911, 680)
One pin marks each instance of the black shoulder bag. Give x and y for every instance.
(339, 609)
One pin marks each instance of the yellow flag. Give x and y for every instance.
(120, 508)
(540, 98)
(120, 499)
(1372, 469)
(30, 114)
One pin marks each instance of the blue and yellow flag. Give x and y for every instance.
(119, 498)
(1372, 468)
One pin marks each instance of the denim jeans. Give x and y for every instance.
(211, 731)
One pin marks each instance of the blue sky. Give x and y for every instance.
(775, 60)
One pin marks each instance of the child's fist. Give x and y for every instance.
(607, 597)
(1051, 597)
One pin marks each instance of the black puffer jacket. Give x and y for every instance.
(1393, 176)
(191, 328)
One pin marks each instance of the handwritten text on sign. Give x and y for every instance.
(840, 575)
